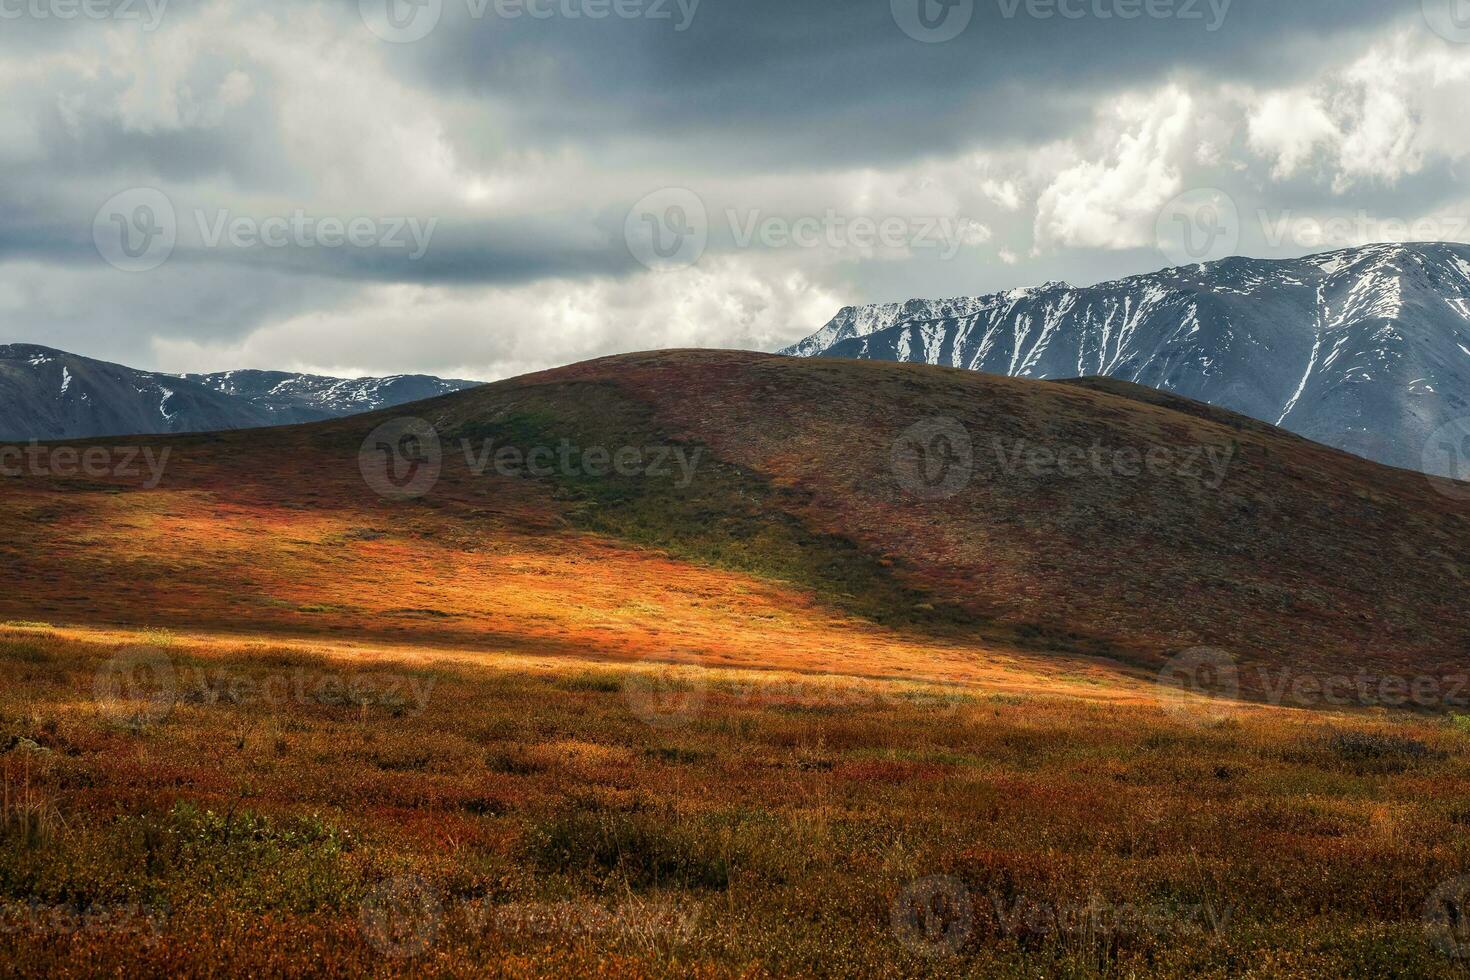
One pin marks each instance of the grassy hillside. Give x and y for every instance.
(717, 664)
(792, 516)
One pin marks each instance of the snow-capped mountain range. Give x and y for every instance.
(50, 394)
(1366, 349)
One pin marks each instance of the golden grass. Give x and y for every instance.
(302, 806)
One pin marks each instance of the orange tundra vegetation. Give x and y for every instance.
(783, 719)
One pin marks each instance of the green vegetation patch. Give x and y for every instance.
(186, 855)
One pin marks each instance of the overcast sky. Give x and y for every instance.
(478, 188)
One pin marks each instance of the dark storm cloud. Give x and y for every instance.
(104, 148)
(762, 82)
(452, 252)
(523, 142)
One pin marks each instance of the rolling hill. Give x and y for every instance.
(1365, 349)
(753, 510)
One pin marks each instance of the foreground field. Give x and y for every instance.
(196, 804)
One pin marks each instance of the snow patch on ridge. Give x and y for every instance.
(1324, 345)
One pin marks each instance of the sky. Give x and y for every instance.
(481, 188)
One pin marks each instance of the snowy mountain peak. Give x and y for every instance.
(1366, 349)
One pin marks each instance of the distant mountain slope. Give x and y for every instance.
(313, 397)
(1366, 349)
(49, 394)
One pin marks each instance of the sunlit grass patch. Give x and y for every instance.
(28, 625)
(594, 683)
